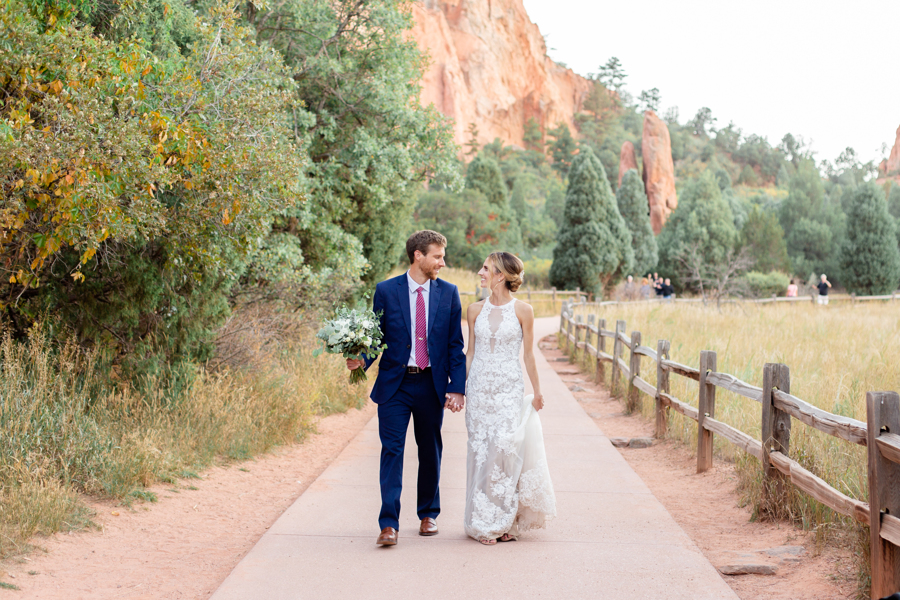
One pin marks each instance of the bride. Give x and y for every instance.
(508, 488)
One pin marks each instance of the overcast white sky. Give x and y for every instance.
(825, 70)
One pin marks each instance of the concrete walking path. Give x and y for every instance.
(612, 538)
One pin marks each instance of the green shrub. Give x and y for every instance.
(763, 285)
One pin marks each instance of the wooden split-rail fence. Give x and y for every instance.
(880, 434)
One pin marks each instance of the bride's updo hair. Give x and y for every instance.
(511, 266)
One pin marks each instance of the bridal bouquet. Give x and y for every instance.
(352, 333)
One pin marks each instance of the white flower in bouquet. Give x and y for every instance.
(353, 333)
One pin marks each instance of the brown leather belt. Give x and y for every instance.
(417, 370)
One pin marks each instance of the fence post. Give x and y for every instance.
(568, 329)
(562, 318)
(634, 400)
(578, 320)
(707, 408)
(601, 347)
(662, 385)
(882, 415)
(775, 434)
(553, 289)
(528, 292)
(617, 351)
(587, 333)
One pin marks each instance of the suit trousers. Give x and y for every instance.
(417, 398)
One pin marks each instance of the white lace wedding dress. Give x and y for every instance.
(508, 483)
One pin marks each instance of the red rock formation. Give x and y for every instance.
(893, 161)
(659, 170)
(489, 66)
(627, 160)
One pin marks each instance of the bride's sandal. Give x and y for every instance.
(488, 542)
(507, 538)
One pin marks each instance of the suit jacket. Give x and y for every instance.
(445, 339)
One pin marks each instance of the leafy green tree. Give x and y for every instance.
(468, 220)
(763, 237)
(562, 148)
(702, 225)
(372, 147)
(138, 190)
(593, 246)
(870, 259)
(702, 123)
(632, 202)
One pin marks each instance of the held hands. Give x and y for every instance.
(355, 363)
(454, 402)
(538, 402)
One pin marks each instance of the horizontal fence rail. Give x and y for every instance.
(880, 433)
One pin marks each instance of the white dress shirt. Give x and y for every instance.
(413, 298)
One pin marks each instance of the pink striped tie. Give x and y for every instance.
(421, 331)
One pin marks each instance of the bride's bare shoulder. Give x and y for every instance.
(524, 310)
(474, 309)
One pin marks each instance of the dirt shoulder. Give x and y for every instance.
(707, 507)
(184, 545)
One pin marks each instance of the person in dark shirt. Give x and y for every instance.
(823, 286)
(667, 289)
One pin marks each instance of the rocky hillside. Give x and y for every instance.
(489, 66)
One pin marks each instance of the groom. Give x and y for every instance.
(423, 366)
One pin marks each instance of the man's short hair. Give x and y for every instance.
(421, 241)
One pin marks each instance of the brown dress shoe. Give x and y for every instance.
(387, 537)
(428, 527)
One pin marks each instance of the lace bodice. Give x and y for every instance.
(509, 488)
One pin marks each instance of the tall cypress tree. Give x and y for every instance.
(870, 259)
(632, 201)
(593, 247)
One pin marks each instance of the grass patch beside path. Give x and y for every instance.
(66, 429)
(835, 354)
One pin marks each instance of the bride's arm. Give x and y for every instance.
(526, 319)
(471, 315)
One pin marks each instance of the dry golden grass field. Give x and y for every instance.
(835, 355)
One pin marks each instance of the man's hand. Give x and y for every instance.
(455, 402)
(355, 363)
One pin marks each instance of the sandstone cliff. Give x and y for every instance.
(489, 66)
(659, 170)
(893, 161)
(627, 161)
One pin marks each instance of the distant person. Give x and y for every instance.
(629, 291)
(667, 290)
(823, 286)
(657, 285)
(792, 290)
(645, 289)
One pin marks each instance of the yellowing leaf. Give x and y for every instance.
(78, 276)
(12, 279)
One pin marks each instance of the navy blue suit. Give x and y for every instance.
(400, 395)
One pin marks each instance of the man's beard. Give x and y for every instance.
(431, 273)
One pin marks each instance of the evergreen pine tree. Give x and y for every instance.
(484, 175)
(763, 237)
(562, 148)
(703, 217)
(870, 259)
(632, 201)
(593, 247)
